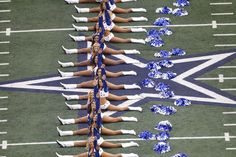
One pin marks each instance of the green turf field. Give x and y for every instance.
(31, 117)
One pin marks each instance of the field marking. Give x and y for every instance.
(221, 14)
(227, 137)
(3, 121)
(145, 26)
(230, 124)
(223, 35)
(2, 64)
(228, 89)
(4, 75)
(4, 144)
(5, 1)
(4, 42)
(8, 31)
(230, 148)
(214, 24)
(229, 112)
(4, 53)
(221, 78)
(227, 67)
(225, 45)
(222, 3)
(3, 109)
(3, 97)
(128, 139)
(5, 11)
(3, 133)
(5, 21)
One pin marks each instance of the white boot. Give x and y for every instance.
(77, 38)
(131, 51)
(73, 107)
(66, 143)
(64, 133)
(66, 121)
(58, 155)
(129, 155)
(69, 86)
(131, 132)
(129, 119)
(66, 64)
(135, 109)
(71, 1)
(133, 86)
(138, 10)
(80, 19)
(129, 73)
(128, 0)
(138, 30)
(130, 144)
(65, 74)
(132, 97)
(69, 51)
(140, 41)
(139, 18)
(82, 10)
(80, 28)
(70, 97)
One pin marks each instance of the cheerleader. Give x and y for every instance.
(94, 1)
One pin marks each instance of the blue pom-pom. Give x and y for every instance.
(148, 83)
(163, 54)
(162, 21)
(178, 52)
(157, 42)
(165, 63)
(146, 135)
(153, 66)
(155, 74)
(179, 12)
(162, 136)
(164, 126)
(163, 110)
(168, 75)
(161, 147)
(167, 94)
(165, 31)
(164, 10)
(181, 3)
(180, 155)
(182, 102)
(161, 86)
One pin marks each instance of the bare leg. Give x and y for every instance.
(110, 145)
(113, 86)
(117, 108)
(87, 1)
(105, 154)
(112, 74)
(95, 10)
(81, 155)
(84, 50)
(89, 38)
(83, 131)
(121, 10)
(108, 50)
(80, 144)
(83, 63)
(83, 73)
(122, 20)
(121, 30)
(108, 61)
(115, 97)
(119, 40)
(86, 84)
(93, 19)
(106, 131)
(108, 119)
(81, 120)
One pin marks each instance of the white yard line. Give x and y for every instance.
(4, 53)
(222, 3)
(5, 1)
(5, 21)
(5, 11)
(3, 109)
(3, 133)
(2, 64)
(4, 75)
(225, 45)
(145, 26)
(227, 67)
(128, 139)
(229, 112)
(3, 121)
(217, 78)
(4, 42)
(230, 124)
(224, 35)
(221, 14)
(230, 148)
(214, 24)
(228, 89)
(3, 97)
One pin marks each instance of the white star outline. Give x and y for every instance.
(180, 79)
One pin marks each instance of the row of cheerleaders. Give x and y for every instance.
(98, 98)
